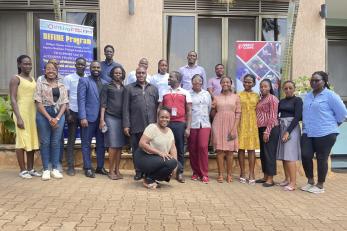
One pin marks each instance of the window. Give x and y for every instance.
(180, 39)
(210, 44)
(13, 42)
(274, 29)
(240, 29)
(86, 19)
(337, 51)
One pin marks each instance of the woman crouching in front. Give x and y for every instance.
(156, 156)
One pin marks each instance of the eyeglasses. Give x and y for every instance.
(315, 80)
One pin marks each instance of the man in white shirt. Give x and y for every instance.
(131, 78)
(71, 83)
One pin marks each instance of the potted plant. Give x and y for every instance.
(7, 125)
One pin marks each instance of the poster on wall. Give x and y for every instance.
(65, 42)
(260, 58)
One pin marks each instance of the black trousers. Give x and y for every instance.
(322, 147)
(72, 129)
(134, 142)
(153, 166)
(268, 150)
(178, 129)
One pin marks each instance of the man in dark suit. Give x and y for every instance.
(88, 97)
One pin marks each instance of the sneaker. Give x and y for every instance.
(204, 179)
(194, 177)
(25, 174)
(46, 175)
(33, 172)
(56, 174)
(306, 187)
(315, 189)
(153, 185)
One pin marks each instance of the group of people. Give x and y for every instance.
(158, 114)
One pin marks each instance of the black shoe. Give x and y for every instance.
(101, 171)
(89, 173)
(180, 178)
(70, 171)
(138, 176)
(265, 184)
(260, 181)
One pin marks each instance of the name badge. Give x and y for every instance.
(173, 111)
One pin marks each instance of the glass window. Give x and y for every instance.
(239, 29)
(274, 29)
(337, 51)
(210, 44)
(87, 19)
(180, 39)
(13, 42)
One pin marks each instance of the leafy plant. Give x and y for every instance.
(8, 127)
(303, 86)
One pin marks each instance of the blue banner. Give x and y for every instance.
(65, 42)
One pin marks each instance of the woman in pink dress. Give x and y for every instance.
(226, 110)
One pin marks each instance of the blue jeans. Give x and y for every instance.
(87, 135)
(49, 138)
(178, 129)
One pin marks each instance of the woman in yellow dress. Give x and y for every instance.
(22, 88)
(248, 130)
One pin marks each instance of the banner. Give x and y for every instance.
(65, 42)
(260, 58)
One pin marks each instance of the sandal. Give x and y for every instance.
(229, 178)
(242, 180)
(283, 183)
(220, 179)
(112, 176)
(289, 188)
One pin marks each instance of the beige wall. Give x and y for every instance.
(309, 40)
(133, 36)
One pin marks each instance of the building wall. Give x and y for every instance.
(133, 36)
(309, 42)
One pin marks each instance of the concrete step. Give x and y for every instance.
(8, 159)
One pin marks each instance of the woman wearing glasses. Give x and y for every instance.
(323, 112)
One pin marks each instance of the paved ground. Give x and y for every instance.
(80, 203)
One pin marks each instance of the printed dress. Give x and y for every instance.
(228, 110)
(248, 129)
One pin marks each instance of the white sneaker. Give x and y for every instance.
(25, 174)
(33, 172)
(315, 189)
(306, 187)
(56, 174)
(46, 175)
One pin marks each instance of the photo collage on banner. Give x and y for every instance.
(260, 58)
